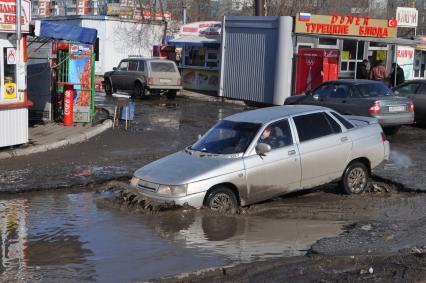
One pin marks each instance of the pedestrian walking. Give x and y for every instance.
(361, 71)
(397, 75)
(378, 72)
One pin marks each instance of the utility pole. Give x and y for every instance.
(259, 7)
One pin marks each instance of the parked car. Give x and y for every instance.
(237, 163)
(142, 76)
(361, 97)
(416, 91)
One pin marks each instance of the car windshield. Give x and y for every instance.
(374, 89)
(162, 67)
(227, 137)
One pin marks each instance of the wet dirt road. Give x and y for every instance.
(80, 235)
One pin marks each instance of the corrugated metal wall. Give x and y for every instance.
(13, 126)
(251, 58)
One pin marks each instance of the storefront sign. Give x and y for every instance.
(211, 28)
(9, 91)
(407, 17)
(11, 56)
(345, 25)
(8, 15)
(405, 59)
(80, 49)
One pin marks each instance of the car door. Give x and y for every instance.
(420, 104)
(324, 148)
(321, 94)
(278, 171)
(119, 74)
(131, 75)
(339, 98)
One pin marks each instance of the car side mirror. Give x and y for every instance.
(262, 148)
(199, 136)
(316, 96)
(114, 69)
(396, 92)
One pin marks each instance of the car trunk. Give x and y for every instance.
(392, 105)
(163, 73)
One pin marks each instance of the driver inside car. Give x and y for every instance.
(270, 137)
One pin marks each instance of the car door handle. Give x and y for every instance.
(291, 152)
(344, 139)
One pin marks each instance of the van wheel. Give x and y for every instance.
(108, 88)
(139, 90)
(222, 199)
(171, 94)
(355, 178)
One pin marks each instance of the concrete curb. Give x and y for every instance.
(91, 132)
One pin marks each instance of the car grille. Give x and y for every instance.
(147, 186)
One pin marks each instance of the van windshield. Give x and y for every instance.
(162, 67)
(227, 137)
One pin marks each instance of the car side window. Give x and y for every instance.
(133, 65)
(324, 90)
(409, 88)
(348, 125)
(123, 65)
(141, 66)
(313, 126)
(333, 124)
(277, 135)
(340, 91)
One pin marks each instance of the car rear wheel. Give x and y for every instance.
(355, 178)
(139, 90)
(391, 130)
(171, 94)
(222, 199)
(108, 88)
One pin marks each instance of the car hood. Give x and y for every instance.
(186, 167)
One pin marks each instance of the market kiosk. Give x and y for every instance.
(13, 90)
(199, 62)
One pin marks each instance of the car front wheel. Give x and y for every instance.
(355, 178)
(222, 199)
(108, 88)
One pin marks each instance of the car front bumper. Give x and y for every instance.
(395, 119)
(195, 200)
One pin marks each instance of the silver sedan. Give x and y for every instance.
(257, 155)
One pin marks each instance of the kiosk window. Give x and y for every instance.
(9, 64)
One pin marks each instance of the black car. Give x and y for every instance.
(416, 91)
(362, 98)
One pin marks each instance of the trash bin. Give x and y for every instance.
(130, 109)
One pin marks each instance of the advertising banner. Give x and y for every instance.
(407, 17)
(79, 73)
(8, 15)
(201, 79)
(345, 25)
(210, 28)
(405, 59)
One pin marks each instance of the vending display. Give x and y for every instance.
(315, 66)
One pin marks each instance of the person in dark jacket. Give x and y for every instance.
(361, 71)
(397, 75)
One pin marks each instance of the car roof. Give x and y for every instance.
(147, 59)
(355, 82)
(265, 115)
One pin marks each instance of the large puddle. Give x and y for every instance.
(62, 236)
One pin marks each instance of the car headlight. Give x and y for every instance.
(134, 182)
(178, 191)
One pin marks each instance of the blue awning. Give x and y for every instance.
(66, 32)
(190, 40)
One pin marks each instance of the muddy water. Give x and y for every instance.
(62, 236)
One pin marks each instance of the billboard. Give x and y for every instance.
(8, 15)
(407, 17)
(345, 25)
